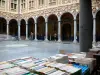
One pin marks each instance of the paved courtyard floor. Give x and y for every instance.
(17, 49)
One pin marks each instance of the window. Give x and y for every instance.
(41, 2)
(13, 5)
(2, 3)
(31, 4)
(52, 2)
(23, 4)
(66, 1)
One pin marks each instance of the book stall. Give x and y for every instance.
(54, 65)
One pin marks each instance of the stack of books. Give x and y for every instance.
(60, 58)
(14, 71)
(68, 68)
(6, 65)
(59, 72)
(84, 68)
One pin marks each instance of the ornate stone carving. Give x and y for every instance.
(73, 8)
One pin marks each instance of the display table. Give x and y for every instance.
(92, 52)
(95, 50)
(33, 66)
(86, 61)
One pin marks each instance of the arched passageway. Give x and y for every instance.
(40, 28)
(67, 27)
(23, 29)
(77, 21)
(52, 27)
(98, 26)
(3, 25)
(13, 28)
(66, 32)
(31, 28)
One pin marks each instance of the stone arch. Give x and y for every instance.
(23, 29)
(52, 27)
(40, 28)
(3, 25)
(31, 28)
(67, 19)
(98, 26)
(96, 12)
(68, 13)
(13, 27)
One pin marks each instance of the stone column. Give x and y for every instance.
(46, 29)
(86, 25)
(19, 30)
(75, 30)
(94, 30)
(35, 29)
(26, 30)
(59, 29)
(7, 30)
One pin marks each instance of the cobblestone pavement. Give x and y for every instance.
(17, 49)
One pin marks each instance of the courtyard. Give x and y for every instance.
(39, 49)
(31, 30)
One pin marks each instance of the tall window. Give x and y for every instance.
(41, 2)
(13, 5)
(2, 3)
(22, 4)
(52, 2)
(31, 4)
